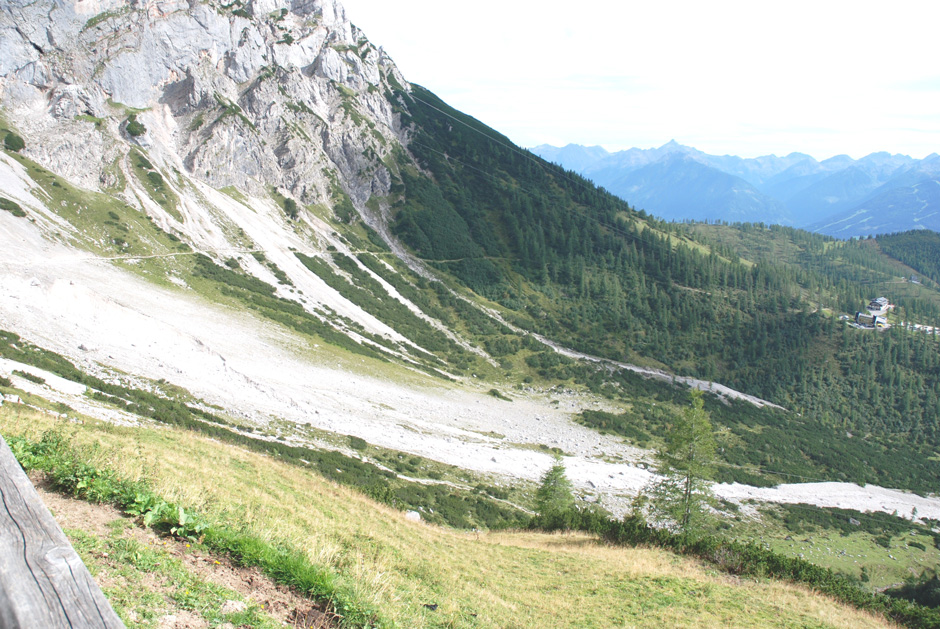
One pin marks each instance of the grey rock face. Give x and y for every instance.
(273, 93)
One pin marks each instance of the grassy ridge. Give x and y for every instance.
(745, 558)
(750, 559)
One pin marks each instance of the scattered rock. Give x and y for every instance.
(233, 607)
(182, 620)
(412, 516)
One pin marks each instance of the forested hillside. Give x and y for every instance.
(750, 306)
(918, 249)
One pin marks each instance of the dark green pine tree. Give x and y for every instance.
(554, 499)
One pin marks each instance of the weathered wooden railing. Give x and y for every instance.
(43, 583)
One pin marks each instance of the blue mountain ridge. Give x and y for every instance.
(678, 182)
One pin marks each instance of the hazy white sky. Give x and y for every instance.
(747, 78)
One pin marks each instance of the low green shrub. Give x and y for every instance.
(134, 127)
(800, 518)
(25, 375)
(13, 142)
(924, 591)
(499, 396)
(12, 207)
(290, 208)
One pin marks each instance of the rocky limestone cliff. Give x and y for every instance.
(266, 93)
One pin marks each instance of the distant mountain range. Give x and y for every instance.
(839, 196)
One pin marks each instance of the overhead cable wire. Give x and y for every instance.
(613, 228)
(526, 154)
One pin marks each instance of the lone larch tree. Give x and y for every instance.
(687, 464)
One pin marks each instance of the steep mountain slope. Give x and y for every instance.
(833, 194)
(231, 102)
(249, 201)
(851, 182)
(894, 210)
(217, 93)
(905, 201)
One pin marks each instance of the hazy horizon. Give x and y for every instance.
(738, 78)
(648, 148)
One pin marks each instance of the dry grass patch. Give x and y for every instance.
(497, 579)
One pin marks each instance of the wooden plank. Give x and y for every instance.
(43, 582)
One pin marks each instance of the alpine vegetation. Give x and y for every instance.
(294, 297)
